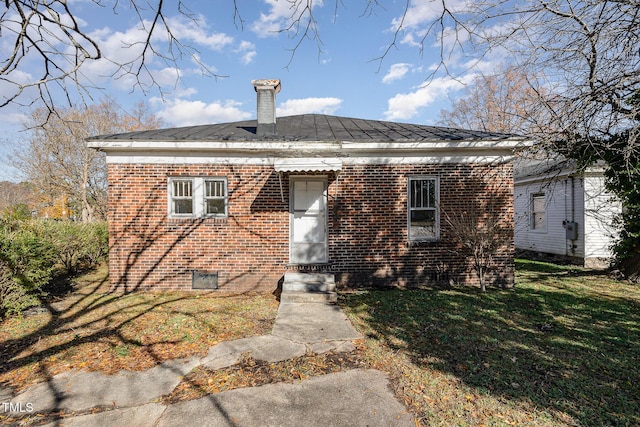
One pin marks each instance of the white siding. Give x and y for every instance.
(560, 208)
(601, 208)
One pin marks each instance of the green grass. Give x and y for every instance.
(561, 348)
(94, 329)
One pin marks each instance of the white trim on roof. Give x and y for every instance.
(138, 158)
(557, 174)
(285, 146)
(307, 165)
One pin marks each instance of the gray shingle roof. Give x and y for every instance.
(550, 166)
(524, 167)
(309, 127)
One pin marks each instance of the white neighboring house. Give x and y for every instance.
(563, 213)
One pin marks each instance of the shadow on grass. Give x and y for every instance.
(95, 329)
(557, 347)
(542, 270)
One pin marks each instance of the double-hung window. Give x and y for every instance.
(538, 212)
(423, 213)
(194, 197)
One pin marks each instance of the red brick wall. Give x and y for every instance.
(369, 243)
(367, 228)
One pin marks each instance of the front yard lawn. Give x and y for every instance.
(562, 348)
(96, 330)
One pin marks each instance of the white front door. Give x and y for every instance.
(308, 223)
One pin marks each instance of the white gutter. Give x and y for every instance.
(350, 146)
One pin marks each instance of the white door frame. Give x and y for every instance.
(318, 250)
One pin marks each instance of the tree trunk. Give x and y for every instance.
(87, 209)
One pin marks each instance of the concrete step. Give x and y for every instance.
(312, 282)
(308, 297)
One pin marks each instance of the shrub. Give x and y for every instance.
(625, 184)
(33, 252)
(26, 264)
(77, 245)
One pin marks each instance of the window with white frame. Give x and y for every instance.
(197, 197)
(538, 212)
(215, 197)
(182, 197)
(423, 214)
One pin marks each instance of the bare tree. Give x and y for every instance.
(584, 54)
(58, 163)
(13, 194)
(478, 226)
(504, 101)
(49, 34)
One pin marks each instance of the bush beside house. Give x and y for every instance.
(34, 252)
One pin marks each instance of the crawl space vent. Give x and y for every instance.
(204, 280)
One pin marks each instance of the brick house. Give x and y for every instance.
(240, 205)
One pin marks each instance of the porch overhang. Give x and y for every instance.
(300, 164)
(308, 165)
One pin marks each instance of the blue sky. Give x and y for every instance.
(340, 76)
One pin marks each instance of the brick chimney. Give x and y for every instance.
(266, 90)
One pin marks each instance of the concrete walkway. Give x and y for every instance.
(350, 398)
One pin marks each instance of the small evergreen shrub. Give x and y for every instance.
(77, 246)
(27, 263)
(34, 252)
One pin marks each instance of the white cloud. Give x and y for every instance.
(9, 88)
(246, 45)
(17, 77)
(200, 66)
(451, 38)
(418, 13)
(270, 24)
(126, 48)
(281, 14)
(308, 105)
(396, 72)
(121, 46)
(407, 105)
(17, 118)
(184, 92)
(417, 26)
(247, 50)
(489, 64)
(409, 39)
(247, 58)
(422, 12)
(184, 28)
(181, 112)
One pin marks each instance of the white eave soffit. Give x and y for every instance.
(307, 165)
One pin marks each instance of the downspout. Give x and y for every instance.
(566, 216)
(280, 180)
(573, 199)
(573, 211)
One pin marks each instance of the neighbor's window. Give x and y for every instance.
(424, 218)
(197, 197)
(538, 220)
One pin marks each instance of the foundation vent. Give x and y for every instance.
(204, 280)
